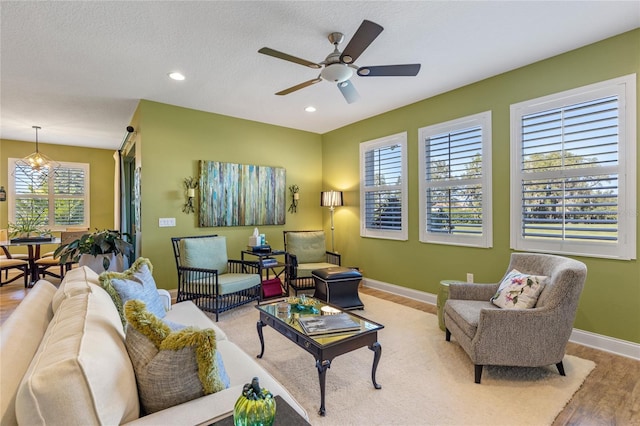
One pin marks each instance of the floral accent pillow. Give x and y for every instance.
(519, 291)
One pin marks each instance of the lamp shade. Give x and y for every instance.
(331, 199)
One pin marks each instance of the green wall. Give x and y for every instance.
(611, 299)
(172, 140)
(101, 172)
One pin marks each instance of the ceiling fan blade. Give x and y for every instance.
(299, 86)
(349, 91)
(287, 57)
(408, 70)
(364, 36)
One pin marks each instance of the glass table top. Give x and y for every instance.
(290, 310)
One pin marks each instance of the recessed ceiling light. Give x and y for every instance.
(310, 109)
(176, 76)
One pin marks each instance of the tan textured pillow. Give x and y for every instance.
(519, 291)
(171, 367)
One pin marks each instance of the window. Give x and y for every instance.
(383, 183)
(455, 182)
(573, 171)
(53, 201)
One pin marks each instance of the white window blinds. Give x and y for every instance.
(383, 187)
(53, 201)
(573, 171)
(455, 189)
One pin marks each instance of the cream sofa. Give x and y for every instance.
(63, 361)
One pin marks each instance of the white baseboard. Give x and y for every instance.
(410, 293)
(606, 343)
(581, 337)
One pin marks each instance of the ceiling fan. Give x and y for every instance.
(339, 67)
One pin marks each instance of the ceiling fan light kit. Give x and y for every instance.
(338, 67)
(336, 73)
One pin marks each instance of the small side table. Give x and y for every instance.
(278, 268)
(443, 295)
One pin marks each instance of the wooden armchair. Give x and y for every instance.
(306, 251)
(211, 280)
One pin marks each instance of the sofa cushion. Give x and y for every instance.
(76, 281)
(20, 336)
(308, 246)
(519, 291)
(171, 367)
(204, 253)
(82, 370)
(135, 283)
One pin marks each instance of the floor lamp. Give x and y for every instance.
(331, 199)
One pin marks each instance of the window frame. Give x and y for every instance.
(403, 233)
(50, 196)
(485, 240)
(625, 248)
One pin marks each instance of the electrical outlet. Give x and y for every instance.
(164, 222)
(469, 277)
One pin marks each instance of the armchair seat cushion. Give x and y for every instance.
(305, 269)
(232, 282)
(466, 313)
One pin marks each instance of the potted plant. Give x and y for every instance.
(29, 226)
(101, 251)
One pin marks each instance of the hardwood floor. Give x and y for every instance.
(609, 396)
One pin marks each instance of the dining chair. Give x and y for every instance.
(49, 261)
(7, 264)
(6, 254)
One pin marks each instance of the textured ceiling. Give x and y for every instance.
(78, 69)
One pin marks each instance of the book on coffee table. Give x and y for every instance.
(314, 325)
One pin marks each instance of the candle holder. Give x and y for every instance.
(190, 185)
(295, 196)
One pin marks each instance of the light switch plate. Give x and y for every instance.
(164, 222)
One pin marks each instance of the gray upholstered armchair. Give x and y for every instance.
(533, 337)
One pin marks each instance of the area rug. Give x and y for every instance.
(425, 380)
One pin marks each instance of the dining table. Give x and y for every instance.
(33, 251)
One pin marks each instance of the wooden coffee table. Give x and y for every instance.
(324, 347)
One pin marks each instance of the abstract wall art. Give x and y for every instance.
(241, 194)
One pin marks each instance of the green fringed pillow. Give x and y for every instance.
(135, 283)
(171, 367)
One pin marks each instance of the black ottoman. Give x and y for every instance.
(338, 286)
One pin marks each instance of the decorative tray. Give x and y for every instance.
(31, 239)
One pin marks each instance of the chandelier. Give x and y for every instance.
(37, 164)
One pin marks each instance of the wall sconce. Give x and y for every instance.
(3, 194)
(295, 196)
(190, 185)
(331, 199)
